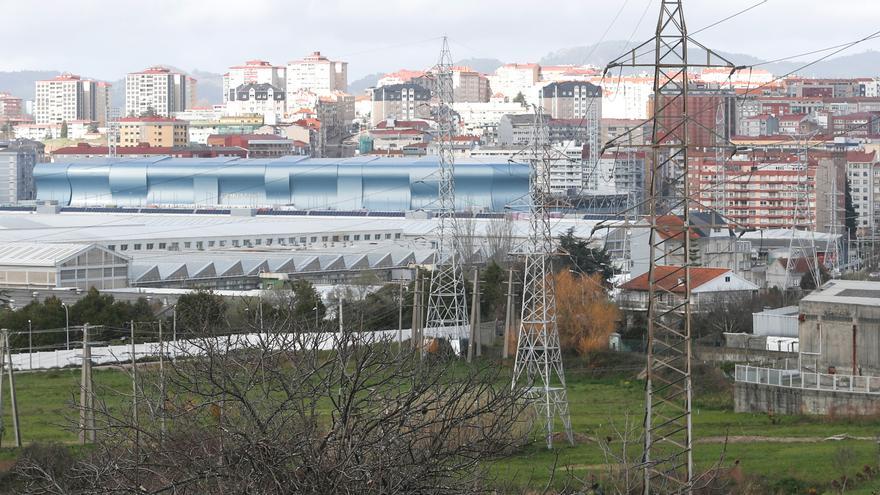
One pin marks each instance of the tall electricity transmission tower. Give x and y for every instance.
(802, 243)
(447, 303)
(668, 450)
(538, 362)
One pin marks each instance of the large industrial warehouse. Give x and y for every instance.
(370, 183)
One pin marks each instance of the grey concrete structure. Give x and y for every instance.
(839, 329)
(17, 161)
(758, 398)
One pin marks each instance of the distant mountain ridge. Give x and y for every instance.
(209, 89)
(210, 84)
(865, 64)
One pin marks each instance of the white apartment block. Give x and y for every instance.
(627, 97)
(254, 71)
(65, 98)
(863, 175)
(160, 90)
(318, 74)
(512, 79)
(257, 99)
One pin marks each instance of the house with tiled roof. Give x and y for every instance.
(713, 244)
(709, 286)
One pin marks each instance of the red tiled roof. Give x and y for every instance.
(394, 132)
(669, 278)
(672, 227)
(155, 119)
(802, 265)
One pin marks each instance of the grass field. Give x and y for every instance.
(46, 408)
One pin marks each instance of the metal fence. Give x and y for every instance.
(808, 381)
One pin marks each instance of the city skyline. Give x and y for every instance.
(355, 32)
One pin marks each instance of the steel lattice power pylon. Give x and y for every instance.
(538, 363)
(447, 303)
(668, 457)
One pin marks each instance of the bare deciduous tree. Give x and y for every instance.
(288, 411)
(499, 238)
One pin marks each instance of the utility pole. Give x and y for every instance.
(538, 363)
(162, 379)
(30, 345)
(400, 314)
(447, 303)
(86, 396)
(508, 314)
(668, 449)
(134, 406)
(475, 297)
(6, 361)
(414, 332)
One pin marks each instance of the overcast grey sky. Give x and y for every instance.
(107, 38)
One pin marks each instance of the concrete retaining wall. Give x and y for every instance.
(753, 397)
(756, 357)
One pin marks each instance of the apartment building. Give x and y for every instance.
(767, 189)
(158, 91)
(572, 100)
(154, 131)
(469, 86)
(252, 98)
(254, 71)
(400, 101)
(10, 107)
(17, 161)
(67, 97)
(317, 74)
(863, 177)
(513, 79)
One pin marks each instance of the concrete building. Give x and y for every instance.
(66, 98)
(618, 172)
(627, 98)
(513, 79)
(158, 90)
(628, 132)
(256, 72)
(262, 99)
(17, 161)
(839, 328)
(318, 74)
(469, 86)
(40, 265)
(154, 131)
(10, 107)
(255, 145)
(572, 100)
(759, 125)
(103, 103)
(482, 119)
(400, 101)
(765, 189)
(863, 177)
